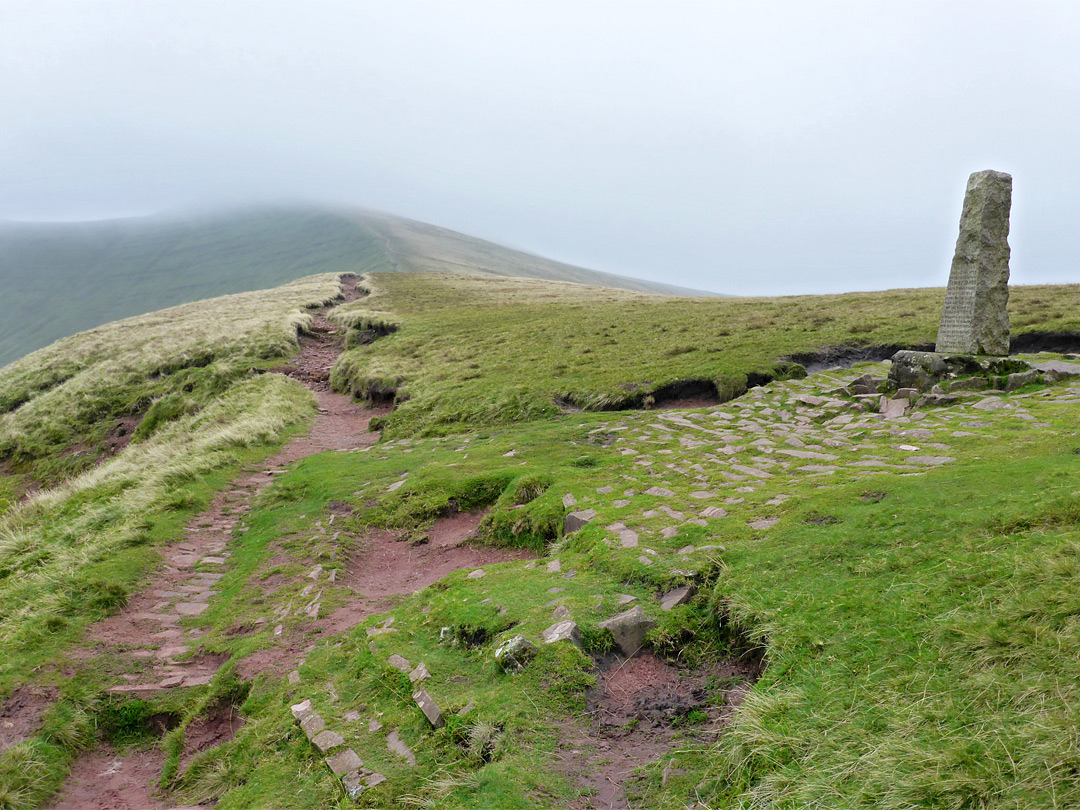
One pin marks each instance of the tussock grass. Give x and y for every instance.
(72, 554)
(58, 404)
(58, 551)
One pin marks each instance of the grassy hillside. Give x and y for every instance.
(480, 351)
(909, 584)
(63, 278)
(417, 247)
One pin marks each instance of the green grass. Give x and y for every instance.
(482, 351)
(919, 624)
(62, 278)
(58, 404)
(920, 632)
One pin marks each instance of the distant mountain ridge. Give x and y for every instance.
(63, 278)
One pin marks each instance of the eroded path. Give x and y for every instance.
(146, 640)
(149, 645)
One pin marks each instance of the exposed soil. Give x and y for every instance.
(104, 780)
(217, 726)
(831, 357)
(636, 713)
(118, 437)
(387, 566)
(686, 394)
(20, 715)
(1034, 342)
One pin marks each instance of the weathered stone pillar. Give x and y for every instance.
(975, 320)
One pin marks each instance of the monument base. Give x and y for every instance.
(923, 370)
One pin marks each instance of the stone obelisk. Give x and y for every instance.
(975, 320)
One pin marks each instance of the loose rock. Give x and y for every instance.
(428, 706)
(629, 629)
(565, 630)
(515, 653)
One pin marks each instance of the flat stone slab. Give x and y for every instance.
(302, 709)
(659, 492)
(1058, 369)
(929, 461)
(764, 523)
(399, 662)
(992, 404)
(327, 741)
(713, 512)
(754, 471)
(428, 706)
(191, 608)
(808, 454)
(677, 596)
(312, 724)
(344, 762)
(395, 744)
(356, 782)
(419, 674)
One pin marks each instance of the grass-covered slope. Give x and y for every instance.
(62, 278)
(478, 350)
(910, 583)
(60, 404)
(918, 619)
(418, 247)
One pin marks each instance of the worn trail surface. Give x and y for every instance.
(146, 640)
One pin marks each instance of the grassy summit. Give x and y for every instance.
(68, 277)
(910, 584)
(477, 351)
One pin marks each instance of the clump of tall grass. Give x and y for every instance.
(47, 543)
(69, 394)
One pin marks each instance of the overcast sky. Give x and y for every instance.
(742, 147)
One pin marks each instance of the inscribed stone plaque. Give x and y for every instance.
(975, 320)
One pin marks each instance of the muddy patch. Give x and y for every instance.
(105, 780)
(386, 566)
(639, 711)
(20, 714)
(217, 726)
